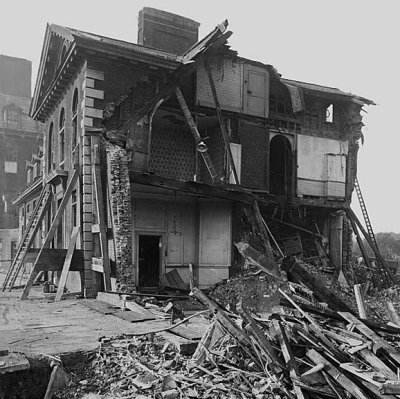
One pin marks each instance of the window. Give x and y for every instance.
(1, 249)
(50, 149)
(13, 249)
(61, 131)
(12, 117)
(75, 120)
(11, 159)
(74, 208)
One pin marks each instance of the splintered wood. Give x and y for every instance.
(300, 350)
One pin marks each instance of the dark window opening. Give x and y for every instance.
(149, 260)
(281, 166)
(61, 130)
(75, 120)
(50, 148)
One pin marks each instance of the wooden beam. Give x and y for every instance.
(222, 126)
(230, 193)
(67, 263)
(52, 230)
(201, 147)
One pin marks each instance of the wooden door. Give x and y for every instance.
(256, 91)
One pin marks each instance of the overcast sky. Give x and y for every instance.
(349, 44)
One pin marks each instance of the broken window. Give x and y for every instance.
(11, 159)
(329, 114)
(61, 130)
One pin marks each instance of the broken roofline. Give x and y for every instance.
(101, 44)
(327, 90)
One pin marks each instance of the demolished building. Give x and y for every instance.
(159, 156)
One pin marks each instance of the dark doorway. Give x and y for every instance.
(280, 166)
(149, 260)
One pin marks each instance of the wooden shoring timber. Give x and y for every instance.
(222, 126)
(51, 232)
(201, 147)
(67, 263)
(381, 262)
(100, 211)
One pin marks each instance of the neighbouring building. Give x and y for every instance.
(20, 136)
(177, 143)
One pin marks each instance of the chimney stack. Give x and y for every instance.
(166, 31)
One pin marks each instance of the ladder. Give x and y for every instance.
(365, 213)
(27, 238)
(370, 233)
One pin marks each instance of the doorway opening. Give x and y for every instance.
(281, 166)
(149, 260)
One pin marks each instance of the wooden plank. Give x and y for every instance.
(289, 358)
(341, 379)
(52, 230)
(378, 343)
(67, 263)
(360, 301)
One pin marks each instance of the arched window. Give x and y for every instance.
(75, 120)
(61, 131)
(50, 149)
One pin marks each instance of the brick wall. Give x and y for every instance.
(121, 215)
(228, 78)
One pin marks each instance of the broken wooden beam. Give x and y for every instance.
(360, 301)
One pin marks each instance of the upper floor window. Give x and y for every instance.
(329, 114)
(75, 120)
(50, 149)
(61, 131)
(11, 159)
(12, 117)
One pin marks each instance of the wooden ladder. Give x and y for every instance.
(33, 225)
(50, 234)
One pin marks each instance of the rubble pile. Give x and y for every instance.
(303, 349)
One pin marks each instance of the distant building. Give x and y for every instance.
(20, 137)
